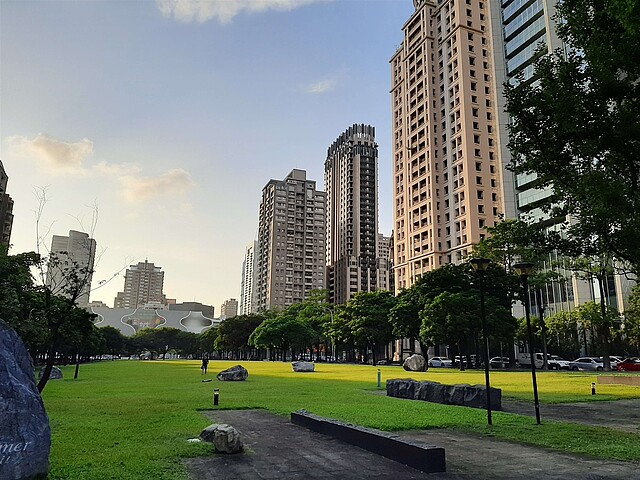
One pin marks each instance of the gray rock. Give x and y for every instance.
(401, 388)
(56, 373)
(234, 374)
(224, 437)
(303, 366)
(415, 363)
(463, 395)
(25, 435)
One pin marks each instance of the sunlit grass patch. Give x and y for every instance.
(131, 419)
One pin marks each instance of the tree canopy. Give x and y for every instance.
(576, 126)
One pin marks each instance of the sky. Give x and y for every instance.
(154, 125)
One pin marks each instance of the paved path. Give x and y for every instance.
(618, 414)
(277, 449)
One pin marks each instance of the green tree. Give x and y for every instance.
(452, 319)
(602, 329)
(283, 332)
(576, 127)
(316, 312)
(114, 340)
(632, 320)
(234, 333)
(368, 320)
(207, 340)
(563, 334)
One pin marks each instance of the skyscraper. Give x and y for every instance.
(143, 284)
(449, 175)
(385, 264)
(70, 267)
(291, 250)
(351, 182)
(520, 29)
(248, 283)
(6, 208)
(229, 308)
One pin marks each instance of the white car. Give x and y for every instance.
(558, 363)
(440, 362)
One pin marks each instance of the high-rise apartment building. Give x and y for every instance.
(351, 184)
(291, 250)
(143, 284)
(6, 208)
(385, 264)
(70, 267)
(449, 176)
(248, 282)
(229, 308)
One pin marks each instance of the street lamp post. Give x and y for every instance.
(525, 269)
(480, 265)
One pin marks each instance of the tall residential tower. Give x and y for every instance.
(449, 176)
(351, 183)
(71, 266)
(143, 284)
(248, 281)
(291, 250)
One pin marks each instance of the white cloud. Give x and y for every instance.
(224, 10)
(322, 87)
(140, 189)
(57, 157)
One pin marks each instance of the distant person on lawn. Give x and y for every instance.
(205, 364)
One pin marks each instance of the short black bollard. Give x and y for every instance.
(593, 388)
(379, 379)
(216, 396)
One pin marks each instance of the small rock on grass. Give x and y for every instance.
(224, 437)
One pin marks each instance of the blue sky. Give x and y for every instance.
(171, 116)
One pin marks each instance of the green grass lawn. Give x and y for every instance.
(131, 419)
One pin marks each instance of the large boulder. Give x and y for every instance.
(56, 373)
(233, 374)
(224, 437)
(464, 395)
(303, 366)
(415, 363)
(25, 435)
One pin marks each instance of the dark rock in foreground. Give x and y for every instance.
(234, 374)
(463, 395)
(25, 435)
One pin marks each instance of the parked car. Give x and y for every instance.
(629, 365)
(558, 363)
(587, 363)
(615, 361)
(499, 362)
(456, 360)
(524, 359)
(440, 362)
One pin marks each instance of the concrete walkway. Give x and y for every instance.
(618, 414)
(276, 449)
